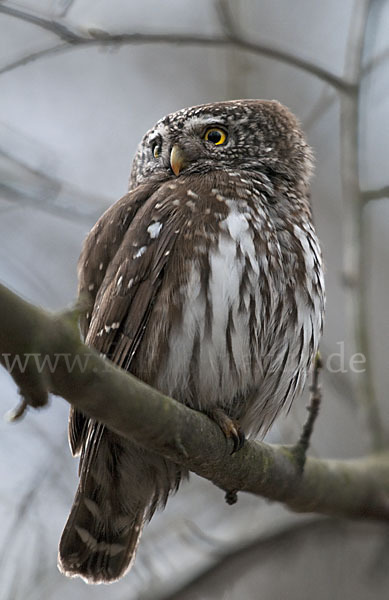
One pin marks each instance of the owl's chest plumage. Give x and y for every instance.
(234, 324)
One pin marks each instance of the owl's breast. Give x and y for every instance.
(232, 326)
(213, 347)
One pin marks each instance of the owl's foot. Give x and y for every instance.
(230, 428)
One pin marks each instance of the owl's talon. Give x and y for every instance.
(241, 440)
(230, 427)
(17, 412)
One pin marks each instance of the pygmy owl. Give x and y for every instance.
(205, 281)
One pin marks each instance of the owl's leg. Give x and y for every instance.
(230, 427)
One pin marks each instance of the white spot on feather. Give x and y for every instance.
(190, 204)
(154, 229)
(140, 252)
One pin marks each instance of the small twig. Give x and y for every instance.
(67, 6)
(29, 58)
(377, 61)
(326, 99)
(301, 448)
(62, 31)
(226, 19)
(377, 194)
(40, 191)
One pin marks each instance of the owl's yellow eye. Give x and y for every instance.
(215, 136)
(156, 151)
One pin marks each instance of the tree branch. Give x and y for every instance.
(39, 190)
(355, 262)
(357, 488)
(376, 194)
(96, 37)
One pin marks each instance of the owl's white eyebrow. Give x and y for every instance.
(201, 122)
(155, 138)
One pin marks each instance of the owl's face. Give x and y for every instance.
(251, 135)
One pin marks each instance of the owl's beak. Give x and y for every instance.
(178, 160)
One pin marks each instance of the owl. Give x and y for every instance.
(205, 281)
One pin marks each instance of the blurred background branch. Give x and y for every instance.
(356, 243)
(95, 36)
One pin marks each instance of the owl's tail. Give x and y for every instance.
(97, 548)
(118, 491)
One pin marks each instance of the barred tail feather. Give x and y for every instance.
(121, 485)
(97, 547)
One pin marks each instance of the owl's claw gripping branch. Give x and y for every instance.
(16, 413)
(230, 428)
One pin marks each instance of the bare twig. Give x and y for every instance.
(326, 99)
(377, 194)
(226, 19)
(377, 62)
(301, 448)
(358, 488)
(36, 189)
(355, 247)
(29, 58)
(73, 38)
(67, 5)
(62, 31)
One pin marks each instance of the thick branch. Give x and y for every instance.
(358, 488)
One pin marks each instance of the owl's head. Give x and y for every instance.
(244, 135)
